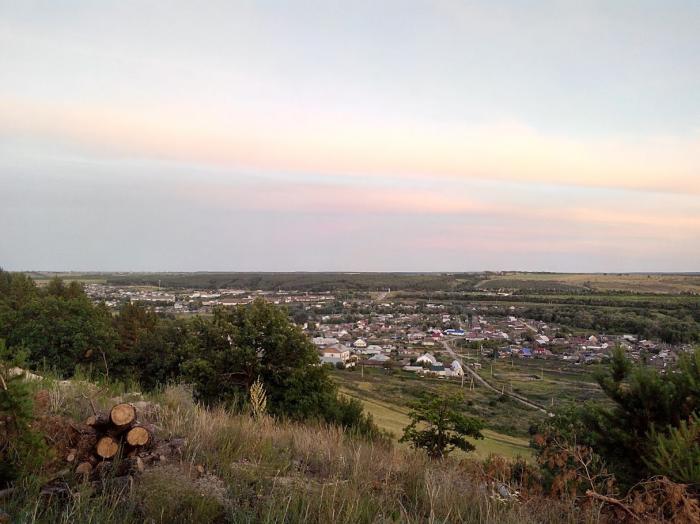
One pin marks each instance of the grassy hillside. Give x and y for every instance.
(235, 468)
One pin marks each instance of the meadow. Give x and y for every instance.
(388, 399)
(595, 282)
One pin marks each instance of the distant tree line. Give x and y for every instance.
(312, 282)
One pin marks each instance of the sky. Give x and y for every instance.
(350, 136)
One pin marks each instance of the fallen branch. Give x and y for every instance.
(613, 501)
(92, 404)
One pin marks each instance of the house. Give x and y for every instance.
(324, 341)
(359, 343)
(333, 355)
(426, 358)
(379, 358)
(437, 369)
(455, 332)
(456, 368)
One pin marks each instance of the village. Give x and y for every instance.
(410, 335)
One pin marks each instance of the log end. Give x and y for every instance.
(122, 414)
(107, 447)
(138, 436)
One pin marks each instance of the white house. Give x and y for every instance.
(456, 368)
(359, 343)
(324, 341)
(427, 358)
(333, 355)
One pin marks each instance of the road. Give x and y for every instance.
(381, 296)
(485, 383)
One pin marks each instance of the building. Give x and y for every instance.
(334, 355)
(427, 358)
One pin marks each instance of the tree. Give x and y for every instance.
(21, 448)
(649, 425)
(438, 426)
(59, 325)
(258, 342)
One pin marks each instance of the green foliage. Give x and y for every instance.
(676, 454)
(21, 449)
(239, 346)
(439, 427)
(58, 325)
(568, 464)
(647, 427)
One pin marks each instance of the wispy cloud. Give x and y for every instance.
(333, 145)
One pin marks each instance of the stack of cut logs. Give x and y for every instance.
(106, 435)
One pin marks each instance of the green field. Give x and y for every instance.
(595, 282)
(393, 418)
(550, 383)
(387, 398)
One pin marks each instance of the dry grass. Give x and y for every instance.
(237, 468)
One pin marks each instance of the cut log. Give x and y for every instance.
(140, 435)
(122, 415)
(84, 468)
(71, 455)
(107, 447)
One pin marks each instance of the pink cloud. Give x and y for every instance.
(340, 145)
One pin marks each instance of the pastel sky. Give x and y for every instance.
(357, 135)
